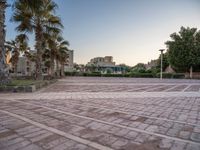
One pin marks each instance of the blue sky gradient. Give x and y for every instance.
(131, 31)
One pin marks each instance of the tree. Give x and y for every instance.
(62, 53)
(165, 61)
(3, 67)
(140, 67)
(16, 47)
(36, 17)
(184, 49)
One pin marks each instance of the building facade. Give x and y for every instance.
(69, 65)
(104, 65)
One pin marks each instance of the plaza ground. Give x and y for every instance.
(79, 113)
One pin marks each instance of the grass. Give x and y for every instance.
(22, 82)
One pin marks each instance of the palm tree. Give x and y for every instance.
(57, 52)
(3, 66)
(62, 53)
(16, 47)
(36, 17)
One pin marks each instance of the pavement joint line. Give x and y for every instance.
(127, 112)
(81, 95)
(59, 132)
(171, 88)
(153, 88)
(113, 124)
(187, 87)
(120, 111)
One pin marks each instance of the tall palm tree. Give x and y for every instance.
(36, 17)
(3, 66)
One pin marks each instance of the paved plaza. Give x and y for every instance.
(92, 113)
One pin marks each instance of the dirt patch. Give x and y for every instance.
(6, 133)
(149, 145)
(141, 119)
(187, 128)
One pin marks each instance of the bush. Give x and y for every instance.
(165, 75)
(171, 75)
(179, 75)
(92, 74)
(112, 75)
(74, 73)
(141, 75)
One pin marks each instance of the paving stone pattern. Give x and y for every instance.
(92, 113)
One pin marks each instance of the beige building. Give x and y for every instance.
(102, 61)
(27, 67)
(104, 65)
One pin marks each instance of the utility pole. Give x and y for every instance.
(161, 63)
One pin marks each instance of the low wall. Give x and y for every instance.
(195, 75)
(27, 88)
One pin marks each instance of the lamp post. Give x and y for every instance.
(161, 62)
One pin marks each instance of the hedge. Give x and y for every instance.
(133, 74)
(172, 75)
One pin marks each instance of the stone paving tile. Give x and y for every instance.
(134, 112)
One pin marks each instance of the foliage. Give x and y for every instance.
(184, 49)
(171, 75)
(141, 75)
(16, 47)
(36, 17)
(165, 61)
(140, 67)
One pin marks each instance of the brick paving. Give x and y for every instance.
(78, 113)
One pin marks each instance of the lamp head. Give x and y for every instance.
(161, 50)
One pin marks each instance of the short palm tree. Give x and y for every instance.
(57, 53)
(62, 53)
(16, 47)
(36, 16)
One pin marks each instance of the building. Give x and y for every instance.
(27, 67)
(102, 61)
(104, 65)
(69, 65)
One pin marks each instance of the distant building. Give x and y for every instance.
(102, 61)
(69, 65)
(28, 67)
(25, 66)
(104, 65)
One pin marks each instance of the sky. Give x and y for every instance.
(132, 31)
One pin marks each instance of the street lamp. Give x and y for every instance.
(161, 62)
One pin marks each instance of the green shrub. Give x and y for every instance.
(179, 75)
(112, 75)
(92, 74)
(171, 75)
(70, 73)
(141, 75)
(165, 75)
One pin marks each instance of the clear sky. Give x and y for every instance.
(131, 31)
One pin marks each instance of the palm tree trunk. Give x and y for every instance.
(52, 66)
(3, 72)
(62, 69)
(38, 46)
(15, 70)
(191, 72)
(57, 68)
